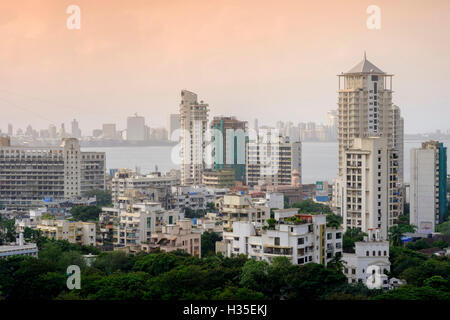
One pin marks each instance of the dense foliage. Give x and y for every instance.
(103, 196)
(85, 213)
(167, 276)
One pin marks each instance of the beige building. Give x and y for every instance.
(78, 232)
(193, 124)
(240, 207)
(179, 236)
(222, 178)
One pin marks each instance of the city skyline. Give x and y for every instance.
(53, 74)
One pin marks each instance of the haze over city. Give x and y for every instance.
(271, 60)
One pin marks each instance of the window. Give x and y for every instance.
(277, 241)
(300, 241)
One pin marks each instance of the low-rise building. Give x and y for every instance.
(136, 222)
(19, 249)
(371, 256)
(195, 197)
(83, 233)
(299, 238)
(179, 236)
(221, 178)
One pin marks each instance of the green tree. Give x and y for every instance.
(350, 237)
(109, 262)
(85, 213)
(103, 196)
(395, 236)
(209, 240)
(271, 223)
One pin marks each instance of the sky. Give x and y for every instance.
(273, 60)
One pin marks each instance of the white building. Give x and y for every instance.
(193, 124)
(273, 200)
(368, 263)
(126, 179)
(52, 173)
(194, 197)
(19, 249)
(371, 197)
(428, 189)
(137, 222)
(273, 159)
(306, 240)
(365, 109)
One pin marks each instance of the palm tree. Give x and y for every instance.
(395, 236)
(336, 263)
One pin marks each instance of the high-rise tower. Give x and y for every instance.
(193, 124)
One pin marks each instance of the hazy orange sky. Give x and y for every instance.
(274, 60)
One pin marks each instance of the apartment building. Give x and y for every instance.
(179, 236)
(30, 175)
(152, 186)
(240, 207)
(194, 197)
(229, 139)
(78, 232)
(371, 255)
(193, 125)
(300, 238)
(273, 159)
(365, 109)
(371, 189)
(220, 178)
(428, 188)
(138, 221)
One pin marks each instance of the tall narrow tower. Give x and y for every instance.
(193, 124)
(365, 109)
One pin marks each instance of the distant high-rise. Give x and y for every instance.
(109, 131)
(332, 124)
(76, 132)
(174, 124)
(428, 188)
(136, 129)
(62, 131)
(365, 109)
(229, 139)
(52, 131)
(10, 129)
(193, 124)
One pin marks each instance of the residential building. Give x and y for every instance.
(221, 178)
(179, 236)
(274, 160)
(138, 221)
(229, 139)
(240, 207)
(194, 197)
(30, 175)
(78, 232)
(300, 238)
(193, 124)
(371, 198)
(153, 186)
(371, 256)
(365, 109)
(428, 188)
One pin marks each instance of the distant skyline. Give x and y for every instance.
(271, 60)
